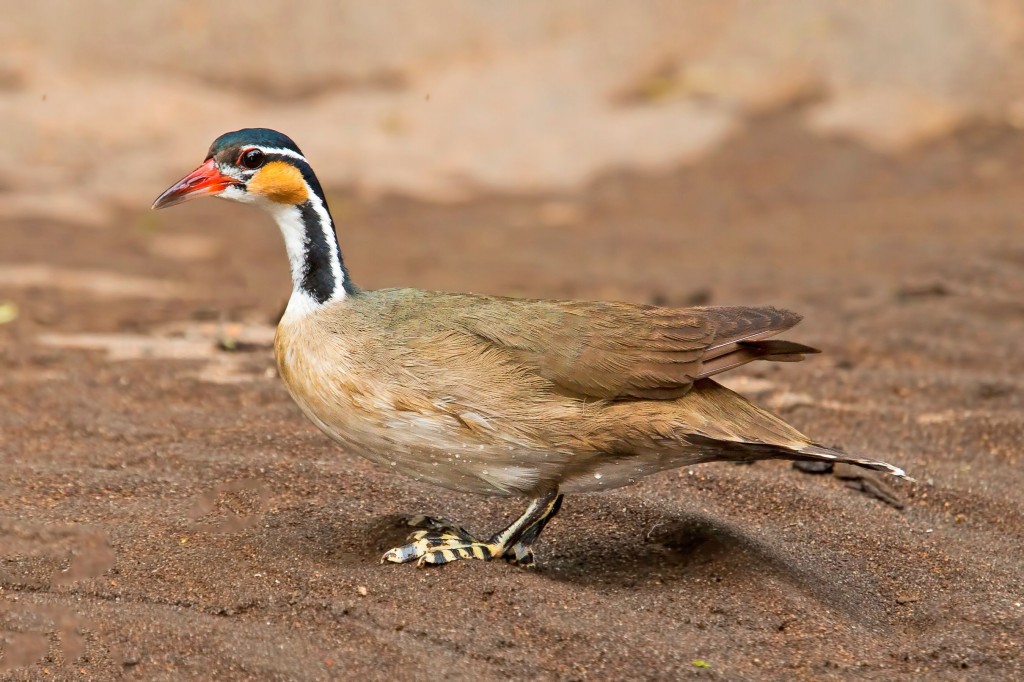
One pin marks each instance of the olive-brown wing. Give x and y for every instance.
(620, 351)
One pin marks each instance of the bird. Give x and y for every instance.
(494, 395)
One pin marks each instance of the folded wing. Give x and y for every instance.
(619, 351)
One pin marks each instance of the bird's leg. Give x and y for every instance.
(443, 542)
(521, 553)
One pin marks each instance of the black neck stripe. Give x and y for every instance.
(317, 272)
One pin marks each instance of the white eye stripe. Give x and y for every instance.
(282, 151)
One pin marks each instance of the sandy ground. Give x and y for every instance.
(167, 513)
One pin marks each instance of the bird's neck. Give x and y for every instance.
(319, 276)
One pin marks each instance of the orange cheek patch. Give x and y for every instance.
(280, 182)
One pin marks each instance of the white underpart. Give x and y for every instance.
(510, 479)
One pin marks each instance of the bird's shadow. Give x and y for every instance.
(627, 550)
(698, 549)
(681, 545)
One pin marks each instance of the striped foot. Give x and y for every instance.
(441, 541)
(434, 548)
(520, 554)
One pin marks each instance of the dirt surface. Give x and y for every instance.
(167, 513)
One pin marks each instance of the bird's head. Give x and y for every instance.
(252, 165)
(264, 167)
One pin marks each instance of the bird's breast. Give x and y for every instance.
(336, 392)
(346, 389)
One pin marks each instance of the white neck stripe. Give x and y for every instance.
(293, 229)
(327, 226)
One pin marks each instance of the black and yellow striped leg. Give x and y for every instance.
(443, 542)
(521, 553)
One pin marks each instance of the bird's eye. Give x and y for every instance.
(251, 159)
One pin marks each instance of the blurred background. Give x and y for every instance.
(105, 102)
(859, 162)
(670, 152)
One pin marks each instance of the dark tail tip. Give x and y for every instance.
(823, 454)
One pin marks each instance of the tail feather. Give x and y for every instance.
(735, 451)
(747, 351)
(820, 453)
(736, 430)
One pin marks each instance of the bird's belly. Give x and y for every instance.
(424, 448)
(429, 443)
(438, 449)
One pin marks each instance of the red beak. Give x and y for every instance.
(206, 179)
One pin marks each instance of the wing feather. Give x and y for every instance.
(616, 351)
